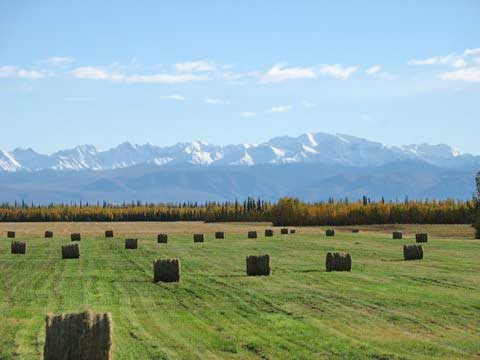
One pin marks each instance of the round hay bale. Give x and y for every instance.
(162, 238)
(48, 234)
(338, 261)
(109, 233)
(85, 335)
(293, 231)
(412, 252)
(131, 244)
(355, 231)
(421, 238)
(329, 262)
(258, 265)
(252, 234)
(11, 234)
(198, 238)
(219, 235)
(166, 270)
(75, 237)
(71, 251)
(18, 247)
(330, 232)
(397, 235)
(268, 232)
(284, 231)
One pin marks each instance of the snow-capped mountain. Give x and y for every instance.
(308, 148)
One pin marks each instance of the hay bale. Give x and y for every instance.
(131, 244)
(421, 238)
(18, 247)
(330, 232)
(252, 235)
(355, 231)
(198, 238)
(219, 235)
(109, 234)
(85, 335)
(166, 270)
(71, 251)
(338, 261)
(284, 231)
(397, 235)
(268, 232)
(293, 231)
(11, 234)
(258, 265)
(162, 238)
(49, 234)
(75, 237)
(412, 252)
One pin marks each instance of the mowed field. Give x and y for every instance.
(385, 308)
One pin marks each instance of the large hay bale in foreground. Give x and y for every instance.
(338, 261)
(48, 234)
(11, 234)
(18, 247)
(397, 235)
(81, 336)
(258, 265)
(75, 237)
(252, 234)
(71, 251)
(166, 270)
(412, 252)
(268, 232)
(219, 235)
(109, 233)
(198, 238)
(421, 238)
(131, 244)
(330, 232)
(162, 238)
(284, 231)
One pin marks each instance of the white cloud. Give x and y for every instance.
(14, 72)
(337, 70)
(248, 114)
(214, 101)
(471, 74)
(195, 66)
(281, 108)
(97, 73)
(469, 52)
(58, 60)
(279, 73)
(308, 104)
(174, 97)
(456, 61)
(373, 70)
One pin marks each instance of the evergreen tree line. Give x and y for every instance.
(286, 212)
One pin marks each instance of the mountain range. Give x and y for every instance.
(310, 166)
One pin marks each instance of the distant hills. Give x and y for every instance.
(311, 166)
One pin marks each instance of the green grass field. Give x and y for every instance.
(385, 308)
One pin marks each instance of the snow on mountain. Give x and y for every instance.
(309, 148)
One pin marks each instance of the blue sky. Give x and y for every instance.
(103, 72)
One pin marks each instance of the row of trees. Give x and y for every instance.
(287, 211)
(477, 207)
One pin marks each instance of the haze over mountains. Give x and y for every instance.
(311, 166)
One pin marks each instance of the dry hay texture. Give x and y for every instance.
(71, 251)
(18, 247)
(219, 235)
(338, 262)
(76, 237)
(283, 231)
(293, 231)
(49, 234)
(81, 336)
(268, 232)
(109, 234)
(421, 238)
(131, 244)
(162, 238)
(198, 238)
(412, 252)
(11, 234)
(258, 265)
(397, 235)
(166, 270)
(330, 232)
